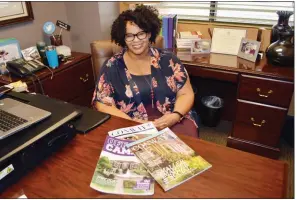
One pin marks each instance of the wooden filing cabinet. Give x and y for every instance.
(72, 81)
(261, 109)
(256, 96)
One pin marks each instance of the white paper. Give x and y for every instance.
(6, 171)
(226, 41)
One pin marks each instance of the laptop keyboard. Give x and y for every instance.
(9, 121)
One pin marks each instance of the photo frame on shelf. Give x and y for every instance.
(249, 49)
(200, 46)
(15, 12)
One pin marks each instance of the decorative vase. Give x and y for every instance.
(281, 52)
(282, 24)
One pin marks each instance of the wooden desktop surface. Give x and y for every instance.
(232, 65)
(234, 174)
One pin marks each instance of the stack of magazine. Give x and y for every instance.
(133, 158)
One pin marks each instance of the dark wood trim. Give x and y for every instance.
(266, 79)
(261, 104)
(30, 17)
(253, 147)
(212, 73)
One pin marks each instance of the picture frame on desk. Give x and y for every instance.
(9, 50)
(226, 41)
(249, 49)
(200, 46)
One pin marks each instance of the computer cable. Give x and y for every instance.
(33, 81)
(47, 68)
(40, 84)
(50, 71)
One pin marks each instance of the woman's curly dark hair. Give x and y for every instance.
(146, 17)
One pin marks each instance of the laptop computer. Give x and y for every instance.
(15, 116)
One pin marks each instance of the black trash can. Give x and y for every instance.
(211, 110)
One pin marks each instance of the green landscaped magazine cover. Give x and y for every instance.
(118, 171)
(168, 159)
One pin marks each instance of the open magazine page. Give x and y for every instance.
(168, 159)
(118, 171)
(134, 132)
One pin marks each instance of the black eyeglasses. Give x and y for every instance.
(140, 35)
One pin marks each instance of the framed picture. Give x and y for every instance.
(249, 49)
(200, 46)
(31, 53)
(226, 41)
(9, 50)
(15, 12)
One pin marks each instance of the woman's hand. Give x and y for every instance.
(166, 120)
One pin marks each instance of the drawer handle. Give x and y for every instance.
(259, 125)
(84, 79)
(263, 95)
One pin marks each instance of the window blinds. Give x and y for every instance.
(244, 12)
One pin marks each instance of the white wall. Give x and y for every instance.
(108, 12)
(90, 21)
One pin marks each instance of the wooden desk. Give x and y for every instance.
(72, 81)
(256, 97)
(235, 174)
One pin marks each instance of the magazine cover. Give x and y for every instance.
(118, 171)
(168, 159)
(134, 132)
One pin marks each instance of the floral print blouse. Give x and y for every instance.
(116, 87)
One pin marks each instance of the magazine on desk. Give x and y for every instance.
(118, 171)
(168, 159)
(134, 132)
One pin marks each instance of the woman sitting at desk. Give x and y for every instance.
(143, 83)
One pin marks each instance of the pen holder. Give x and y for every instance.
(52, 56)
(56, 40)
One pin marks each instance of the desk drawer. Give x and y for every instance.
(72, 82)
(258, 123)
(265, 90)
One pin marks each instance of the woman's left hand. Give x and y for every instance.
(166, 120)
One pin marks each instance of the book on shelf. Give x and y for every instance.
(134, 132)
(170, 30)
(169, 26)
(190, 34)
(168, 159)
(118, 171)
(175, 22)
(184, 42)
(165, 30)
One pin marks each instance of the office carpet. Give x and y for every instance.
(220, 133)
